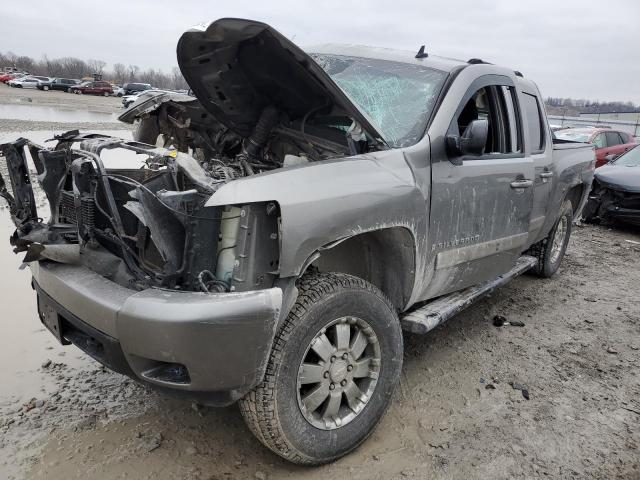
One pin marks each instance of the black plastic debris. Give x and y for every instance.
(500, 321)
(525, 393)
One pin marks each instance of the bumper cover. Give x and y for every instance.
(223, 340)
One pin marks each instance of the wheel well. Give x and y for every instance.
(384, 258)
(575, 195)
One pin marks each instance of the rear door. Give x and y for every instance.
(615, 144)
(627, 141)
(540, 151)
(481, 205)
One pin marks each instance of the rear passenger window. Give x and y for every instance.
(613, 139)
(533, 114)
(514, 144)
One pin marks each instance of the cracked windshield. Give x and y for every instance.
(397, 97)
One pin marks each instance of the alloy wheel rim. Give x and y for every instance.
(338, 373)
(558, 239)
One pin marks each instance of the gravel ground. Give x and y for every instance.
(60, 100)
(556, 398)
(57, 98)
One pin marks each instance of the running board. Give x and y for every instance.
(429, 316)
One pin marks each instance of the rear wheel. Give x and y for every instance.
(106, 94)
(331, 373)
(45, 88)
(551, 250)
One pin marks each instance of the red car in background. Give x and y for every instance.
(97, 87)
(609, 143)
(9, 76)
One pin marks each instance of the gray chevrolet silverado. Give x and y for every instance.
(267, 240)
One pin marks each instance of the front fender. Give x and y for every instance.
(326, 201)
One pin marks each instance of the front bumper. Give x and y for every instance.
(221, 341)
(626, 215)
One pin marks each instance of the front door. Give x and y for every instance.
(481, 205)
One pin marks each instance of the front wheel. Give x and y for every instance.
(550, 251)
(331, 373)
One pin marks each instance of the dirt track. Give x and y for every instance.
(456, 413)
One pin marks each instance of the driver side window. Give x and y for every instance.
(496, 105)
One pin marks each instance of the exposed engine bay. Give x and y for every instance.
(148, 227)
(139, 227)
(261, 104)
(275, 141)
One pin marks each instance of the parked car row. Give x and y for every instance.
(72, 85)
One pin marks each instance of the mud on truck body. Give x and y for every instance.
(289, 221)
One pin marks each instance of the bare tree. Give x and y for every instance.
(133, 71)
(119, 72)
(72, 67)
(177, 80)
(96, 66)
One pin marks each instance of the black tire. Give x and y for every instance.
(549, 259)
(272, 409)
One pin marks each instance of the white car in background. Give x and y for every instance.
(118, 91)
(128, 100)
(27, 82)
(12, 82)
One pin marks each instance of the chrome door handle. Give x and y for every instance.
(546, 174)
(521, 183)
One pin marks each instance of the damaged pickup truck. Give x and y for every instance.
(286, 224)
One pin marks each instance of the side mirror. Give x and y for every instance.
(472, 141)
(611, 157)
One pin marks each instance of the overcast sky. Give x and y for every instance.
(571, 48)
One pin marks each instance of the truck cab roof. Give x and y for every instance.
(403, 56)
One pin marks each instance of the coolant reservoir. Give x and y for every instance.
(229, 225)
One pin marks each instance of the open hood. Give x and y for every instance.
(238, 67)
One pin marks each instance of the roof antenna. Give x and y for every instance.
(421, 53)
